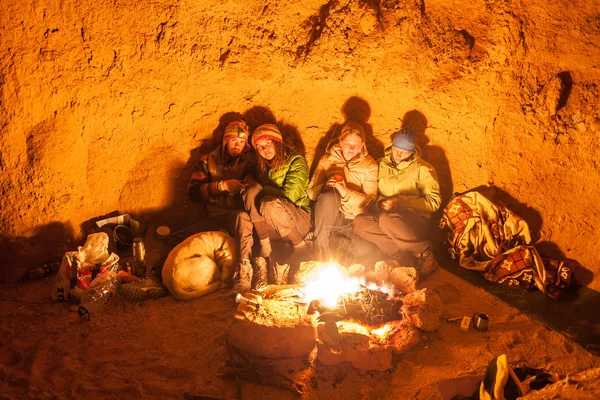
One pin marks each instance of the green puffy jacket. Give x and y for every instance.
(289, 181)
(414, 182)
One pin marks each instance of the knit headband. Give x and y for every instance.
(266, 131)
(234, 129)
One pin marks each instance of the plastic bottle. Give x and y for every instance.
(100, 291)
(42, 271)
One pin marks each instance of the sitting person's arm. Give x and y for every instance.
(359, 199)
(200, 186)
(430, 198)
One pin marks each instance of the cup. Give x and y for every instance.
(481, 321)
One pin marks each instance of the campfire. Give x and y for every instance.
(334, 308)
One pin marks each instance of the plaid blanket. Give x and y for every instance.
(491, 239)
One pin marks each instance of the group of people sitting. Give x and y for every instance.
(260, 188)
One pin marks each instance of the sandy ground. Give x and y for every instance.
(164, 348)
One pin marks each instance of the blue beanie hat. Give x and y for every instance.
(404, 139)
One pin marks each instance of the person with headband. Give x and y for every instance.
(343, 185)
(409, 192)
(216, 182)
(276, 207)
(219, 176)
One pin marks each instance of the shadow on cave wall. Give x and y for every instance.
(175, 215)
(48, 244)
(435, 155)
(355, 109)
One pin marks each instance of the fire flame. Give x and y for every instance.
(331, 282)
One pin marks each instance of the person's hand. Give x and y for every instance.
(232, 185)
(388, 204)
(338, 183)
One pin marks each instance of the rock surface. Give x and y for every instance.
(276, 330)
(424, 308)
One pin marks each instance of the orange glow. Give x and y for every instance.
(331, 282)
(352, 327)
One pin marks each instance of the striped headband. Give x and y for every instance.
(266, 131)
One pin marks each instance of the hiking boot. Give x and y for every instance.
(260, 274)
(281, 273)
(299, 256)
(242, 279)
(426, 263)
(382, 272)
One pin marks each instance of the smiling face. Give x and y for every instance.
(235, 146)
(265, 149)
(400, 155)
(351, 146)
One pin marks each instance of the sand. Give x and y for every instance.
(162, 349)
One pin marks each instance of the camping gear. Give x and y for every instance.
(98, 294)
(200, 265)
(480, 321)
(79, 268)
(42, 271)
(123, 237)
(139, 257)
(491, 239)
(254, 302)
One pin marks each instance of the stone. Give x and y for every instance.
(278, 329)
(404, 279)
(424, 309)
(357, 349)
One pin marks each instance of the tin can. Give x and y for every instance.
(481, 321)
(139, 257)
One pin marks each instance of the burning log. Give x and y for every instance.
(372, 307)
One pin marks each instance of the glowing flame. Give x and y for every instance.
(329, 283)
(345, 326)
(382, 332)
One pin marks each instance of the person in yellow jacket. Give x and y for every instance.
(343, 185)
(409, 192)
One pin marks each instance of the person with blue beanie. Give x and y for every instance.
(409, 192)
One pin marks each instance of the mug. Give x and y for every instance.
(480, 321)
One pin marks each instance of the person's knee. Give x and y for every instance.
(270, 207)
(361, 223)
(250, 193)
(328, 201)
(242, 220)
(386, 221)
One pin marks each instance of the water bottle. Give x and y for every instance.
(42, 271)
(139, 257)
(100, 291)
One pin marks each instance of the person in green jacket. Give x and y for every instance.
(409, 192)
(277, 206)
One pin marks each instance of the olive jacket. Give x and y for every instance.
(414, 182)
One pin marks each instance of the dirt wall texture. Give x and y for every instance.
(107, 105)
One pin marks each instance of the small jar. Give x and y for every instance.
(163, 232)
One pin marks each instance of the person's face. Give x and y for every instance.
(351, 146)
(266, 149)
(400, 155)
(235, 146)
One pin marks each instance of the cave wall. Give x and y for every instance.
(107, 105)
